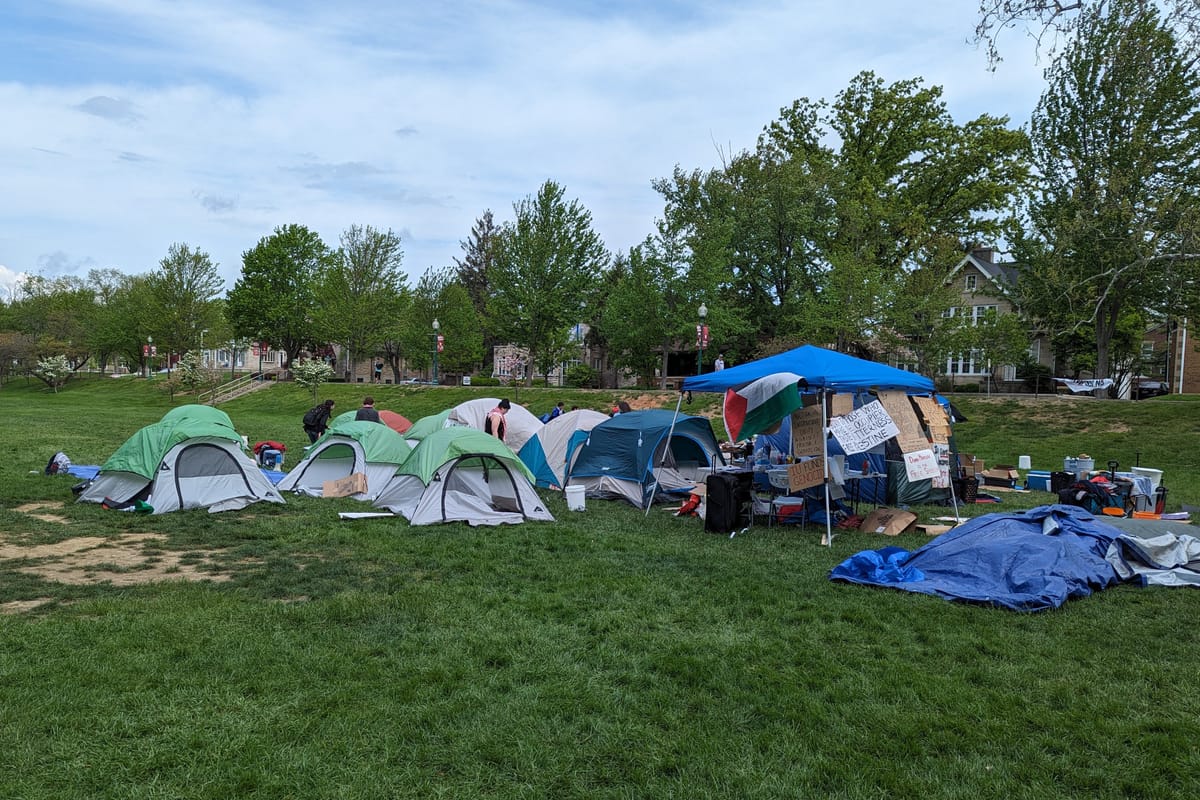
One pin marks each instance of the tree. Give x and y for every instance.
(1113, 225)
(311, 373)
(440, 296)
(1050, 19)
(546, 260)
(185, 291)
(273, 300)
(817, 242)
(53, 371)
(647, 313)
(475, 270)
(361, 291)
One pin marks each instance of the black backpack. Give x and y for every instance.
(313, 418)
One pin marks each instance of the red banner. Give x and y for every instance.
(701, 336)
(441, 341)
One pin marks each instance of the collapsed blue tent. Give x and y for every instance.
(1025, 561)
(639, 455)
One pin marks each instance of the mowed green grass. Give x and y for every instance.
(609, 654)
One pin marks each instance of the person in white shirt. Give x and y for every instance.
(719, 364)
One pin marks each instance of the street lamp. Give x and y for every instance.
(437, 346)
(701, 338)
(203, 357)
(149, 358)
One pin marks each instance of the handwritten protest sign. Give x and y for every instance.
(935, 419)
(864, 428)
(806, 474)
(911, 437)
(808, 437)
(921, 465)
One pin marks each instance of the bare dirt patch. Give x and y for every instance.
(32, 508)
(126, 560)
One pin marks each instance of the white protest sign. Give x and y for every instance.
(864, 428)
(921, 465)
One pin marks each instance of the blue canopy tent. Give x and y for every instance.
(822, 371)
(820, 368)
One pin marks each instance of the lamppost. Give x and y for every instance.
(149, 358)
(203, 356)
(437, 347)
(701, 338)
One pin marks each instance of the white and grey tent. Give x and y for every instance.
(191, 458)
(550, 451)
(463, 475)
(520, 423)
(348, 447)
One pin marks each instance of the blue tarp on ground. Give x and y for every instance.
(90, 471)
(1025, 561)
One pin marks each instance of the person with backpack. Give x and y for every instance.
(316, 420)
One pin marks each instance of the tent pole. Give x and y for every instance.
(825, 446)
(670, 433)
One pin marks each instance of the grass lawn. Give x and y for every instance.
(278, 652)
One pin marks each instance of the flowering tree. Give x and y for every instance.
(53, 371)
(311, 373)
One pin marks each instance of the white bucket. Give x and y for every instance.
(1023, 462)
(575, 498)
(1155, 475)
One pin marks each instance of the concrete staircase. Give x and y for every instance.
(239, 387)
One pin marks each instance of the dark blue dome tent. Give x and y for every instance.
(821, 371)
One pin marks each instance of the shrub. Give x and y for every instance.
(484, 380)
(581, 376)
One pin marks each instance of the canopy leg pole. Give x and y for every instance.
(670, 433)
(825, 445)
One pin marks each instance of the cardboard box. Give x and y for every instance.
(1001, 475)
(344, 487)
(970, 464)
(888, 521)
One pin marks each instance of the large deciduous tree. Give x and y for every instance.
(546, 260)
(817, 240)
(185, 290)
(274, 299)
(361, 291)
(475, 270)
(1046, 20)
(1113, 226)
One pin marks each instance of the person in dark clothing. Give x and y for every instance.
(368, 412)
(494, 424)
(316, 420)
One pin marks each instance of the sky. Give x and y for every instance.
(132, 125)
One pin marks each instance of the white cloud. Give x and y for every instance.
(213, 122)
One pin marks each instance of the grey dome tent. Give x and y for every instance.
(463, 475)
(347, 447)
(191, 458)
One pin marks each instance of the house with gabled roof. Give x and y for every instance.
(985, 287)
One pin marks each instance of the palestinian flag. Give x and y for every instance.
(759, 405)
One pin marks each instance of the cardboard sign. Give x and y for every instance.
(808, 437)
(864, 428)
(912, 436)
(806, 474)
(344, 487)
(921, 465)
(840, 404)
(935, 419)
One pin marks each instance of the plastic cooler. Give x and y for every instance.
(1038, 479)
